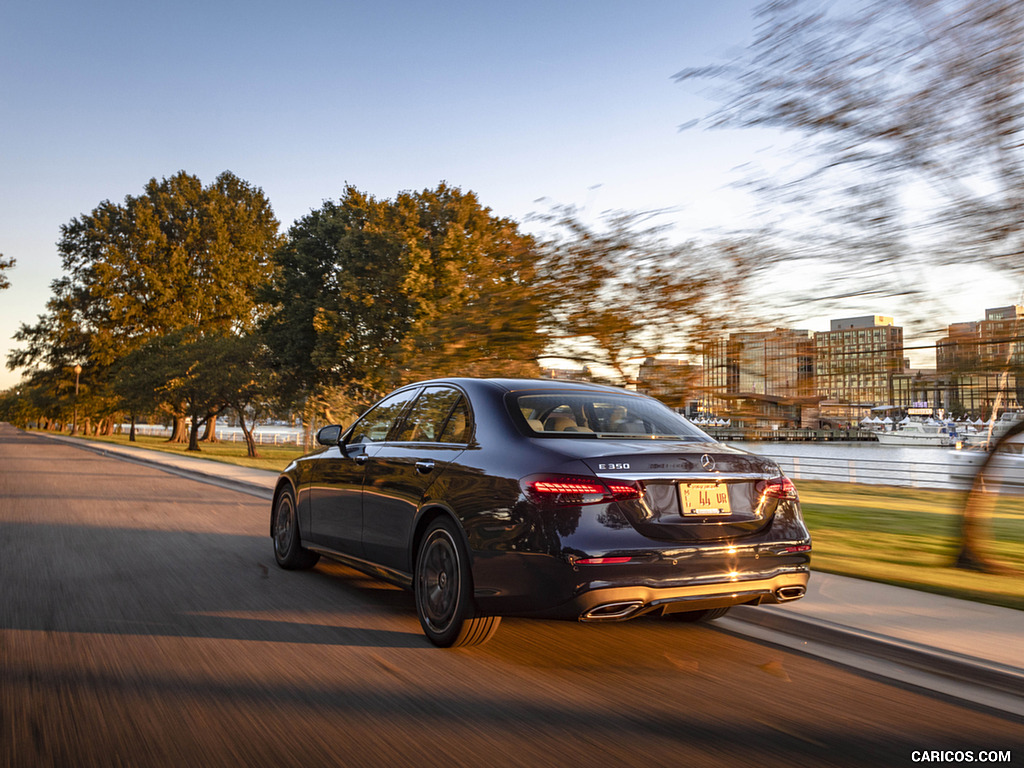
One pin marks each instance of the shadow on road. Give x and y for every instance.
(187, 583)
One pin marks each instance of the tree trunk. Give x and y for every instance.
(308, 422)
(178, 432)
(193, 434)
(131, 431)
(975, 520)
(210, 432)
(250, 443)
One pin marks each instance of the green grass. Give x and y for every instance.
(272, 457)
(908, 537)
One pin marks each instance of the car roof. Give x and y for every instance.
(514, 385)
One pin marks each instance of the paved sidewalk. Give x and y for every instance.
(960, 639)
(260, 482)
(963, 640)
(962, 627)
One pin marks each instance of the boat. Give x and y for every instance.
(1005, 467)
(918, 433)
(994, 430)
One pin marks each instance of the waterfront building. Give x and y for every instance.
(566, 374)
(674, 382)
(983, 362)
(855, 363)
(761, 379)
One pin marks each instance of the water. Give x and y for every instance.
(903, 465)
(857, 462)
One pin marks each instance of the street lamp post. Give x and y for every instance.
(74, 419)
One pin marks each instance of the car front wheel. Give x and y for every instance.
(444, 591)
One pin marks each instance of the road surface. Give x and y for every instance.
(143, 622)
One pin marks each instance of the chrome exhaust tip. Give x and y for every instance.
(784, 594)
(612, 611)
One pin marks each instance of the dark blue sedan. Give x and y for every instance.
(499, 497)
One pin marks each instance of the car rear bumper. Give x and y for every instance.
(546, 587)
(622, 603)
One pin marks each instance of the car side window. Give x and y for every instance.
(375, 424)
(460, 425)
(428, 416)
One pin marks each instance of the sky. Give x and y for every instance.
(527, 104)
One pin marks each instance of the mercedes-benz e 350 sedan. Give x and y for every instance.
(501, 497)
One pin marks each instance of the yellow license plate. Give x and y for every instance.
(705, 498)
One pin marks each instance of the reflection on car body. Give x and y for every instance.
(496, 497)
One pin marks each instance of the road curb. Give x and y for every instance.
(959, 667)
(195, 473)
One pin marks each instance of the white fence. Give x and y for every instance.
(913, 474)
(262, 436)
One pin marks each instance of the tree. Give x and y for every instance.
(471, 278)
(622, 292)
(910, 118)
(336, 298)
(239, 372)
(373, 293)
(5, 264)
(191, 373)
(178, 257)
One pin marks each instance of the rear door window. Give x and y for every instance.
(434, 418)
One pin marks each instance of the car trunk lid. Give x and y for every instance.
(691, 492)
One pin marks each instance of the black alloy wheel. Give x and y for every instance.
(288, 549)
(444, 591)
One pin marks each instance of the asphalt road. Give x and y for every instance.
(143, 622)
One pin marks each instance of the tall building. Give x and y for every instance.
(856, 360)
(761, 378)
(983, 345)
(983, 361)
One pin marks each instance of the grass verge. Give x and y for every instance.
(272, 457)
(908, 537)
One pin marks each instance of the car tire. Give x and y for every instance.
(288, 549)
(443, 587)
(698, 617)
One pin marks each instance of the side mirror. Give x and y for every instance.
(329, 435)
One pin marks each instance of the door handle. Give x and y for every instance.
(423, 467)
(361, 458)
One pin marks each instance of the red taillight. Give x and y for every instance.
(569, 490)
(603, 560)
(582, 487)
(622, 491)
(777, 488)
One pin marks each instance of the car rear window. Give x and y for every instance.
(597, 414)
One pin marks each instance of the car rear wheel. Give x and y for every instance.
(288, 549)
(698, 617)
(444, 591)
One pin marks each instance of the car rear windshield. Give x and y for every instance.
(597, 415)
